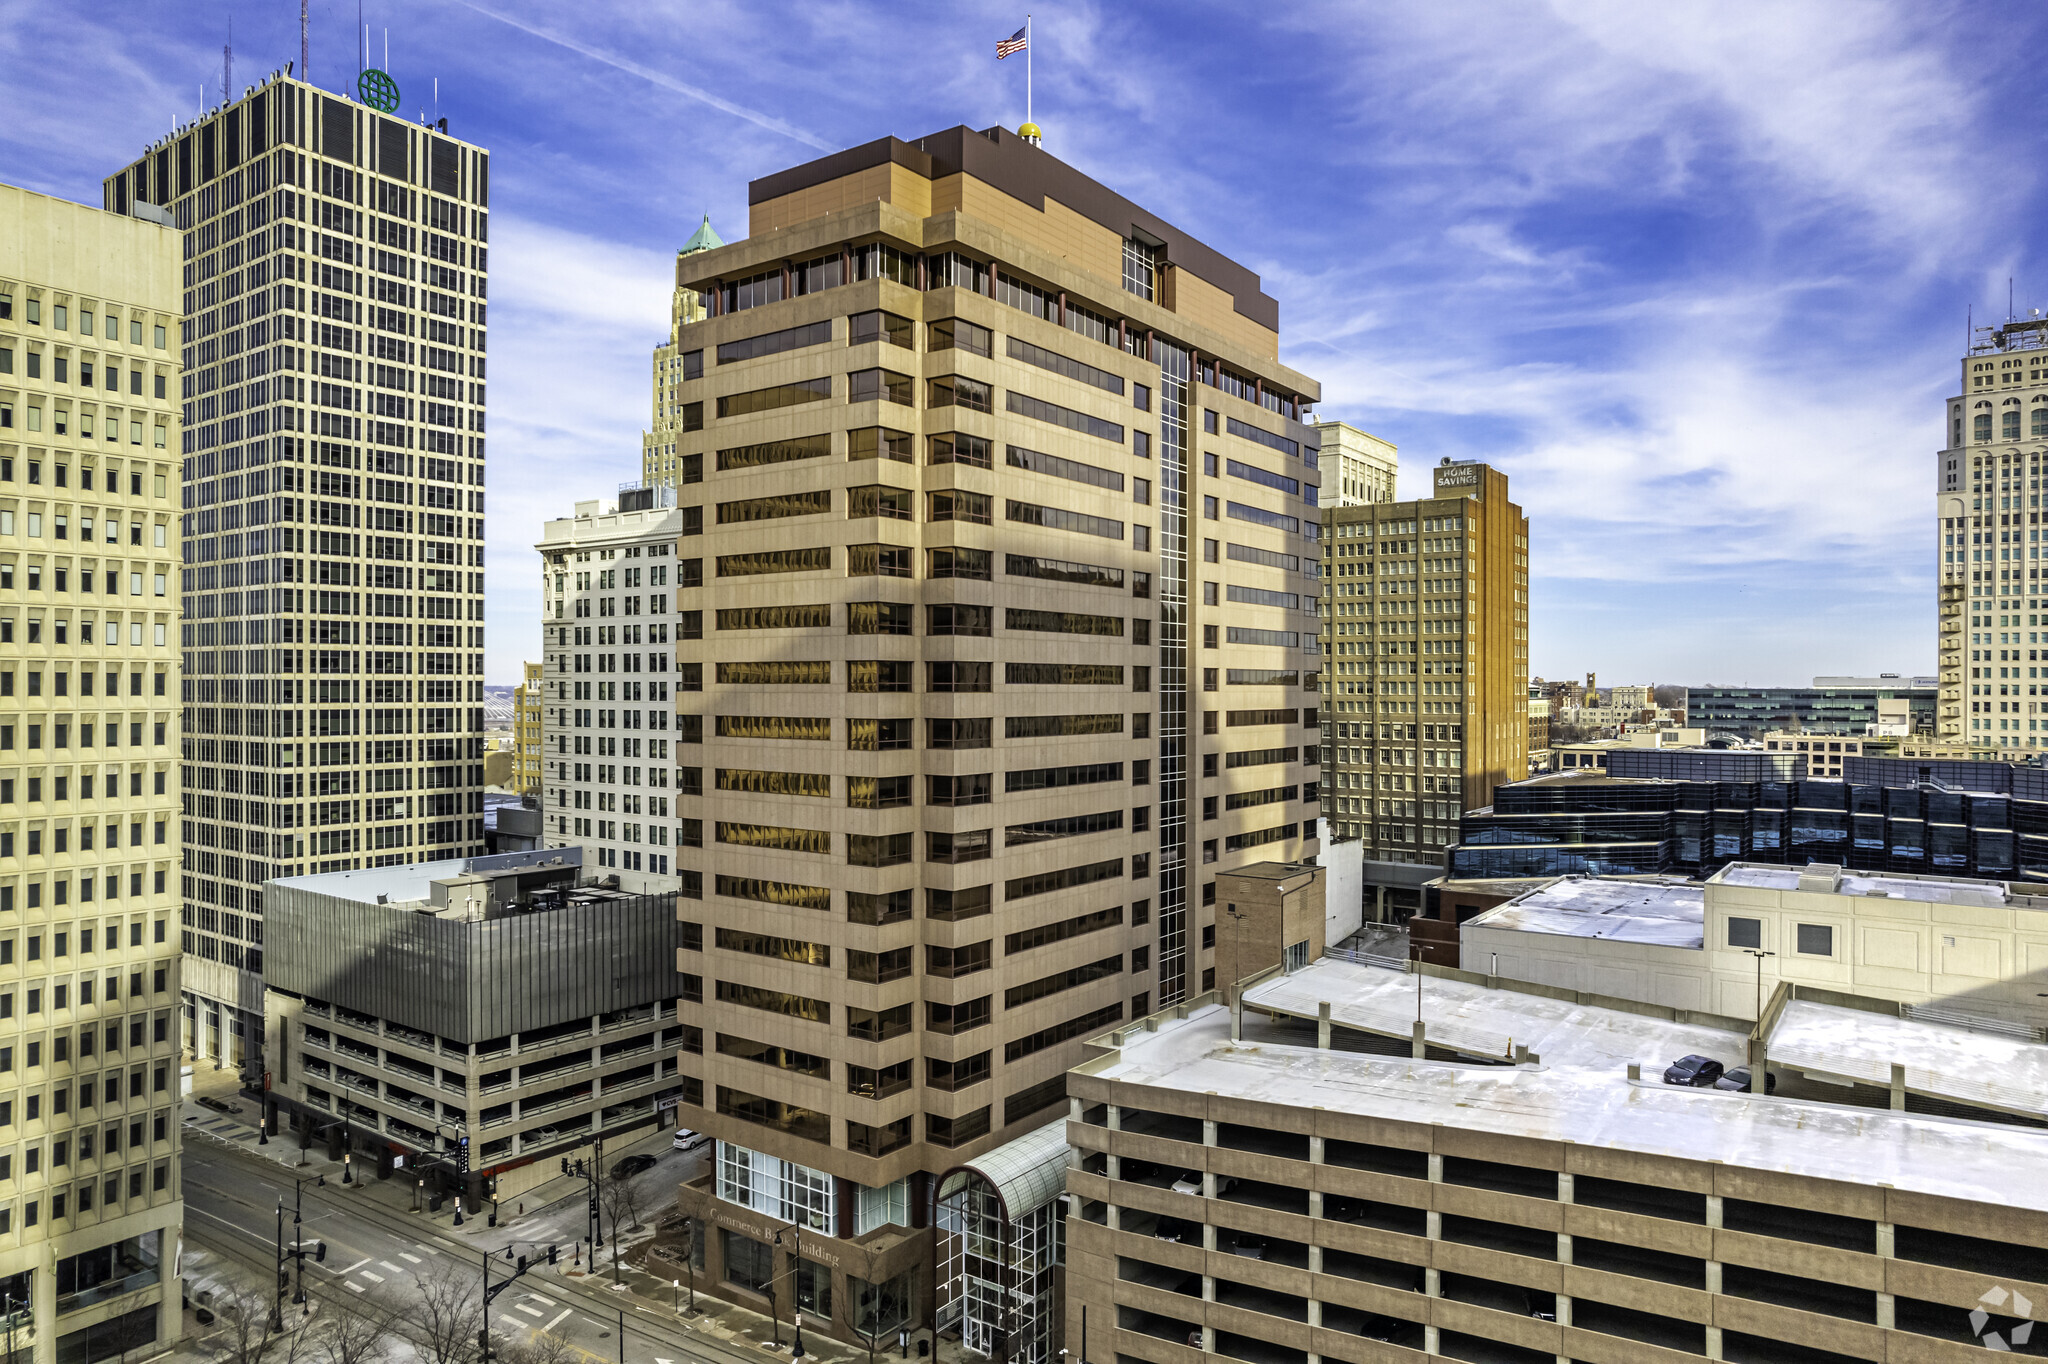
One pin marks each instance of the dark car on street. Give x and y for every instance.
(632, 1165)
(1697, 1072)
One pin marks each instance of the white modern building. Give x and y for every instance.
(608, 580)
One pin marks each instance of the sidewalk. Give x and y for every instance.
(649, 1283)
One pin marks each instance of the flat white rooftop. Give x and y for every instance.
(1486, 1022)
(1597, 1107)
(415, 880)
(1929, 889)
(1969, 1067)
(1667, 914)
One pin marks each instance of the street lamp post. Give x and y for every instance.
(1759, 954)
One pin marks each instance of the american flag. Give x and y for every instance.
(1016, 42)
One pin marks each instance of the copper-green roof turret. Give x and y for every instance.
(703, 239)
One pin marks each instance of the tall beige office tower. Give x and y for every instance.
(335, 268)
(89, 602)
(1988, 523)
(1427, 678)
(1000, 514)
(1357, 468)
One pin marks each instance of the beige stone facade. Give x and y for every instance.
(90, 596)
(1426, 683)
(526, 732)
(999, 529)
(1988, 532)
(608, 589)
(335, 277)
(1358, 468)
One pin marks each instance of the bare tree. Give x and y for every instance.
(621, 1202)
(252, 1333)
(362, 1333)
(445, 1319)
(616, 1203)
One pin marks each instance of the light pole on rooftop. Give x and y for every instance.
(1759, 953)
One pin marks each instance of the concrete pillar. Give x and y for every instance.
(1713, 1276)
(1898, 1087)
(1714, 1343)
(1564, 1248)
(1315, 1259)
(1315, 1151)
(1208, 1131)
(1114, 1117)
(1418, 1046)
(1887, 1232)
(1323, 1026)
(1429, 1344)
(1713, 1210)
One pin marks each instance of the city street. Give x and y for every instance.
(378, 1253)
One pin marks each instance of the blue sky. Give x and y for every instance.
(1694, 276)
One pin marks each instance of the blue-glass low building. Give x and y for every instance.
(1832, 705)
(1691, 812)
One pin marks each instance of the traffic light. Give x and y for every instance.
(565, 1165)
(522, 1265)
(483, 1340)
(319, 1252)
(554, 1256)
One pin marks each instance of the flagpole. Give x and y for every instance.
(1027, 66)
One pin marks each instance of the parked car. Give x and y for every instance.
(1696, 1072)
(1250, 1246)
(632, 1165)
(1738, 1080)
(1191, 1183)
(686, 1140)
(1378, 1327)
(1174, 1230)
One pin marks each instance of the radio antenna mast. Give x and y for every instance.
(227, 64)
(305, 56)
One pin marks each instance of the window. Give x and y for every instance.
(1745, 932)
(779, 396)
(862, 328)
(955, 390)
(957, 333)
(875, 385)
(1816, 940)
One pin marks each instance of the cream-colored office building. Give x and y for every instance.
(1000, 518)
(89, 693)
(1426, 684)
(609, 582)
(526, 732)
(335, 277)
(1357, 468)
(1988, 527)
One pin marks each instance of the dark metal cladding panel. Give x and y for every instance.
(469, 981)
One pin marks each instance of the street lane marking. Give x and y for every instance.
(558, 1320)
(354, 1267)
(530, 1311)
(395, 1269)
(409, 1259)
(513, 1322)
(373, 1278)
(543, 1301)
(254, 1236)
(356, 1287)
